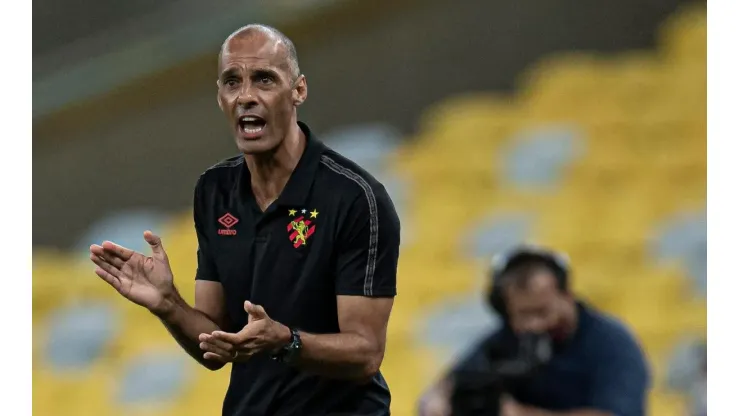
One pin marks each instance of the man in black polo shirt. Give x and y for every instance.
(595, 366)
(298, 248)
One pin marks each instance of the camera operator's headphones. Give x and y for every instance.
(557, 263)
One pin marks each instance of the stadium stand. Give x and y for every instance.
(603, 157)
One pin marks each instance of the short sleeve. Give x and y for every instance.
(621, 378)
(206, 266)
(368, 246)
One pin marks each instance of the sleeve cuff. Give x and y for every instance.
(382, 292)
(207, 278)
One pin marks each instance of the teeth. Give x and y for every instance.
(250, 118)
(252, 130)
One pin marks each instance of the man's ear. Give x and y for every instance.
(300, 91)
(218, 98)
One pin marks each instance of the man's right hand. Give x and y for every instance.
(144, 280)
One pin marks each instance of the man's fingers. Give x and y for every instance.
(107, 267)
(97, 250)
(229, 358)
(234, 339)
(112, 260)
(255, 312)
(209, 347)
(113, 253)
(109, 278)
(226, 346)
(225, 350)
(216, 357)
(119, 251)
(154, 242)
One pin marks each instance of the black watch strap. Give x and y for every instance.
(289, 352)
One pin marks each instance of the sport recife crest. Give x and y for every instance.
(301, 228)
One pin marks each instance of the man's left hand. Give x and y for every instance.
(260, 334)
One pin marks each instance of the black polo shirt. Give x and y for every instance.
(333, 231)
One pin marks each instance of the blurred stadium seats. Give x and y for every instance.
(603, 157)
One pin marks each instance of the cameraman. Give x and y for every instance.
(588, 364)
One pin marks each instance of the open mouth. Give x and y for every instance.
(251, 124)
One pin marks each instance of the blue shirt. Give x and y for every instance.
(601, 367)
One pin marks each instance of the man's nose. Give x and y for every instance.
(246, 97)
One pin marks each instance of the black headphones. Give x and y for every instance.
(557, 263)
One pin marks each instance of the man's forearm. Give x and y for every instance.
(345, 356)
(185, 324)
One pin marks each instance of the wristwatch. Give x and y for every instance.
(290, 352)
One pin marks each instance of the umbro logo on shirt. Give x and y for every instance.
(227, 221)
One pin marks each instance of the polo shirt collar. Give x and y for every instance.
(298, 188)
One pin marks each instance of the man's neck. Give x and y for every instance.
(270, 171)
(571, 323)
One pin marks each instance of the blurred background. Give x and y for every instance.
(576, 124)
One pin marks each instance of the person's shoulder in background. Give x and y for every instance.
(608, 331)
(620, 376)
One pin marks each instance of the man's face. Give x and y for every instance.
(257, 91)
(539, 306)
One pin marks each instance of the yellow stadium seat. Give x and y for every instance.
(665, 404)
(88, 392)
(51, 287)
(468, 120)
(560, 81)
(408, 372)
(205, 395)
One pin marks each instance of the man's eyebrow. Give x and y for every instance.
(254, 72)
(264, 71)
(228, 72)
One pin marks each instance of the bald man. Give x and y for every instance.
(297, 254)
